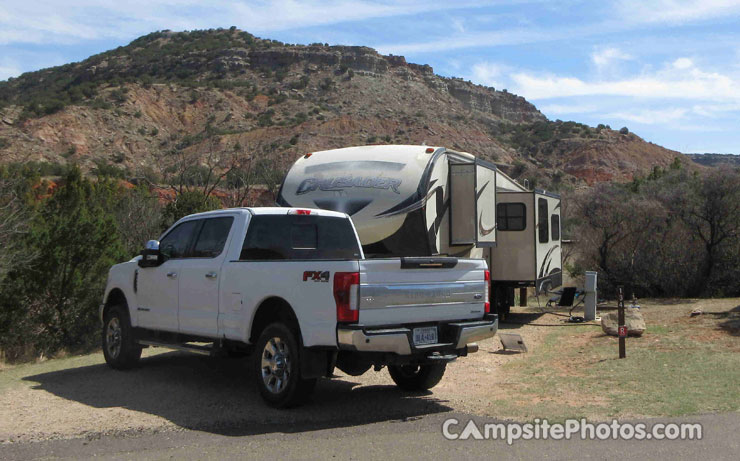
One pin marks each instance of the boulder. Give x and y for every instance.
(632, 319)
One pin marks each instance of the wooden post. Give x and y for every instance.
(622, 329)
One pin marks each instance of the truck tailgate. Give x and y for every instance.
(418, 290)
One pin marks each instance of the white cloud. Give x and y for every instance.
(650, 116)
(715, 110)
(676, 11)
(283, 14)
(606, 57)
(458, 24)
(565, 109)
(490, 74)
(470, 40)
(44, 21)
(683, 63)
(689, 84)
(678, 94)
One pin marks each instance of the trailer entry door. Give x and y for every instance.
(462, 204)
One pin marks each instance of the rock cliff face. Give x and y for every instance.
(226, 90)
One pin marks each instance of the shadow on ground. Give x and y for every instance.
(516, 320)
(731, 320)
(218, 396)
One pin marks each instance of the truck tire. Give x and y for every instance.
(277, 370)
(417, 377)
(119, 347)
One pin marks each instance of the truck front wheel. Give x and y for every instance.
(417, 377)
(119, 347)
(276, 364)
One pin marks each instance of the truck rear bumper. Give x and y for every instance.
(399, 341)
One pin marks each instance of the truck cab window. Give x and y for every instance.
(511, 216)
(272, 237)
(175, 244)
(555, 224)
(543, 221)
(212, 237)
(304, 236)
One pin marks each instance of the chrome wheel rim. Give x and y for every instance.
(113, 337)
(275, 365)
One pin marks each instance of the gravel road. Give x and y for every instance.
(415, 438)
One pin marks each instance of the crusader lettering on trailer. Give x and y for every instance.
(346, 182)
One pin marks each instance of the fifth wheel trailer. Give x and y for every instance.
(433, 201)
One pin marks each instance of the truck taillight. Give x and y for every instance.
(346, 295)
(487, 292)
(299, 212)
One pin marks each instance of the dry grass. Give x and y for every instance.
(681, 365)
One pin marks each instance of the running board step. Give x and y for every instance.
(203, 350)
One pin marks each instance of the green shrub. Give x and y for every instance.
(265, 118)
(51, 302)
(188, 202)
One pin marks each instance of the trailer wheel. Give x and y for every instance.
(119, 347)
(417, 377)
(277, 370)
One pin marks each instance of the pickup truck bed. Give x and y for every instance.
(292, 287)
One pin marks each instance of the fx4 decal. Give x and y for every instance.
(316, 276)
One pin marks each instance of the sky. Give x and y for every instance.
(669, 70)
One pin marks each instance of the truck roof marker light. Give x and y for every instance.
(430, 150)
(308, 155)
(301, 212)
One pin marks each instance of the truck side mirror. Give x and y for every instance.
(151, 256)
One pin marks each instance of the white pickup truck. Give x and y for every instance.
(292, 286)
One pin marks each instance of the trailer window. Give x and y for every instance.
(511, 216)
(543, 222)
(271, 237)
(555, 224)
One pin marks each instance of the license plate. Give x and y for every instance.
(426, 335)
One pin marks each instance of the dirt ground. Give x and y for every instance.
(81, 397)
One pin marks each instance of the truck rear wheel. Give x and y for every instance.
(417, 377)
(276, 364)
(119, 347)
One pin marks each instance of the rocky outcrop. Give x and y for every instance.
(167, 92)
(633, 319)
(504, 105)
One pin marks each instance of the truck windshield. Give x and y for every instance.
(299, 237)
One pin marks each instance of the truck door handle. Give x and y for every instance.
(211, 275)
(172, 275)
